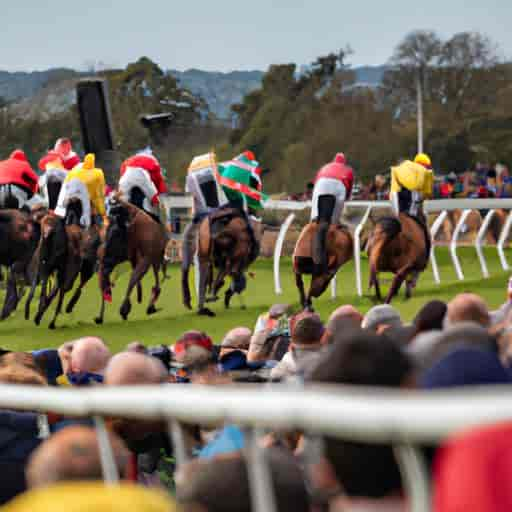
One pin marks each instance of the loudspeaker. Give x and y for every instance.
(95, 117)
(96, 125)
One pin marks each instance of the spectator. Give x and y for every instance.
(344, 317)
(472, 471)
(93, 496)
(237, 339)
(363, 470)
(221, 484)
(307, 337)
(381, 317)
(72, 454)
(430, 317)
(467, 307)
(131, 368)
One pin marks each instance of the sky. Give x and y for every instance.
(225, 35)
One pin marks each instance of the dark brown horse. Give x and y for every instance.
(339, 249)
(66, 251)
(19, 235)
(224, 244)
(400, 246)
(132, 235)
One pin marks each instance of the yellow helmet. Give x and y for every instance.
(89, 161)
(423, 159)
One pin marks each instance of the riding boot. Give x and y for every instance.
(319, 248)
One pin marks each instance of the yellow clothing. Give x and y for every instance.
(413, 177)
(93, 179)
(91, 496)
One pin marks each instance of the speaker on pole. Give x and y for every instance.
(96, 125)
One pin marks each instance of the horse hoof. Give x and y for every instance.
(51, 326)
(125, 309)
(206, 312)
(98, 320)
(37, 320)
(188, 305)
(151, 310)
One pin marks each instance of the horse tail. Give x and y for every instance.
(386, 230)
(53, 187)
(319, 245)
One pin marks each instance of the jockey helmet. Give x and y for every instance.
(340, 158)
(249, 154)
(18, 154)
(63, 146)
(423, 159)
(89, 161)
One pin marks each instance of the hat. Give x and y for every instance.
(383, 314)
(340, 158)
(473, 470)
(194, 347)
(307, 329)
(465, 366)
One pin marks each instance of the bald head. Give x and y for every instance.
(72, 454)
(89, 354)
(349, 312)
(468, 307)
(132, 368)
(342, 320)
(238, 338)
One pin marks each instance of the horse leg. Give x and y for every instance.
(58, 309)
(11, 296)
(189, 248)
(86, 273)
(137, 274)
(155, 292)
(46, 300)
(300, 285)
(139, 293)
(376, 283)
(99, 319)
(204, 275)
(31, 296)
(397, 282)
(318, 286)
(410, 284)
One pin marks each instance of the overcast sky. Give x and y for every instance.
(228, 34)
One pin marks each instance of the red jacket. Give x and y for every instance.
(17, 171)
(150, 164)
(340, 172)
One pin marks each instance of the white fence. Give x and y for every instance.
(403, 419)
(440, 207)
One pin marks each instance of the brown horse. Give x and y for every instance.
(339, 248)
(64, 250)
(224, 243)
(134, 236)
(399, 246)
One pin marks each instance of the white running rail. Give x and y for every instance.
(439, 206)
(369, 415)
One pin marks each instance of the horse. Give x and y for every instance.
(134, 236)
(67, 251)
(339, 248)
(19, 235)
(224, 243)
(400, 246)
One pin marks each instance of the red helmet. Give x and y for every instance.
(340, 158)
(18, 154)
(63, 147)
(249, 154)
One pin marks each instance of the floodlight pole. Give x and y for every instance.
(419, 101)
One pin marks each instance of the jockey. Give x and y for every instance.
(333, 186)
(87, 183)
(143, 172)
(410, 183)
(203, 185)
(54, 174)
(64, 149)
(18, 182)
(241, 181)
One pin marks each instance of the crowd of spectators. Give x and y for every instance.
(53, 462)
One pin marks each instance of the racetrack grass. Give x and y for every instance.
(173, 319)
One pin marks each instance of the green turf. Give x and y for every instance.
(173, 319)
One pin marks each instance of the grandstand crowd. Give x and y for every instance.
(55, 464)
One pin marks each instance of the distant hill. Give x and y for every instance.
(51, 91)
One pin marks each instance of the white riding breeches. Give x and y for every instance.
(203, 187)
(329, 187)
(136, 177)
(75, 189)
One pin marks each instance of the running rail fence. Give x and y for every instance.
(404, 419)
(441, 207)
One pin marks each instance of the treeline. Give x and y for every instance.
(297, 121)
